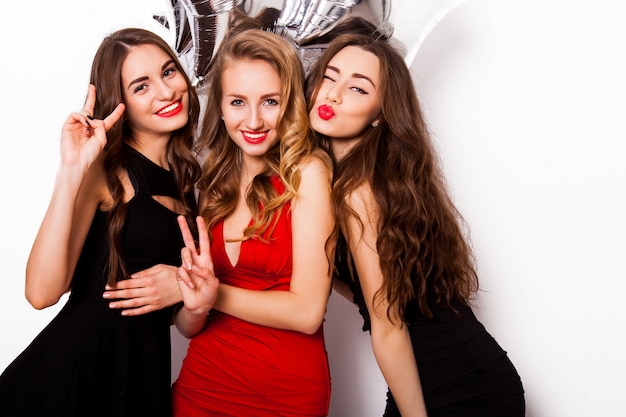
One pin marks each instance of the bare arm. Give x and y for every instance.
(302, 308)
(390, 340)
(77, 193)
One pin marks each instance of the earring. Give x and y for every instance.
(375, 123)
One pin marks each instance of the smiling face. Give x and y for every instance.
(349, 100)
(155, 93)
(250, 106)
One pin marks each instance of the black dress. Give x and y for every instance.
(90, 360)
(462, 369)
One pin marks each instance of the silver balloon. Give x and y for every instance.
(200, 25)
(321, 16)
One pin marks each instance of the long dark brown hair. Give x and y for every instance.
(424, 253)
(219, 184)
(106, 75)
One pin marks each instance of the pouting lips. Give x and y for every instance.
(325, 112)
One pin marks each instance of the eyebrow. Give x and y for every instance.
(243, 96)
(140, 79)
(354, 75)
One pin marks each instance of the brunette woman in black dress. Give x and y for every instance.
(401, 248)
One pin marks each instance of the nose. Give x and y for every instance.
(164, 90)
(255, 119)
(333, 95)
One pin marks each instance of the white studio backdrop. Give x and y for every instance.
(526, 102)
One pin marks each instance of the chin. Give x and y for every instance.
(320, 127)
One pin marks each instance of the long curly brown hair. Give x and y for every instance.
(219, 184)
(424, 253)
(106, 75)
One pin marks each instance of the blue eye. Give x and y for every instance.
(236, 102)
(271, 102)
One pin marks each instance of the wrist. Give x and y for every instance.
(195, 313)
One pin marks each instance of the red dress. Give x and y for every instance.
(236, 368)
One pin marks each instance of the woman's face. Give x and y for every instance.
(155, 93)
(349, 99)
(250, 105)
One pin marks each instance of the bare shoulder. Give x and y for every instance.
(361, 197)
(363, 202)
(316, 165)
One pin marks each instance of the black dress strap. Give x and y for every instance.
(148, 177)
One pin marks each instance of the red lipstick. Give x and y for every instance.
(325, 112)
(254, 137)
(171, 109)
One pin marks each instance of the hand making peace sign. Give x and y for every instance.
(83, 137)
(196, 279)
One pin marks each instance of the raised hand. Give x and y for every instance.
(83, 137)
(197, 282)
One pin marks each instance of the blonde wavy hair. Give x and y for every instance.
(219, 182)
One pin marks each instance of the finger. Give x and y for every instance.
(90, 102)
(139, 310)
(115, 115)
(148, 273)
(81, 118)
(131, 303)
(122, 294)
(140, 274)
(203, 236)
(187, 236)
(127, 284)
(202, 273)
(183, 276)
(186, 256)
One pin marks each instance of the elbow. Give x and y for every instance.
(39, 302)
(41, 293)
(40, 299)
(310, 324)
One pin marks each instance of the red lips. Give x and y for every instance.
(325, 112)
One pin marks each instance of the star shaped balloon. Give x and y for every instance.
(198, 26)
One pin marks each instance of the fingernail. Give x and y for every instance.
(107, 287)
(112, 305)
(106, 295)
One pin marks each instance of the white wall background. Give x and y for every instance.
(526, 100)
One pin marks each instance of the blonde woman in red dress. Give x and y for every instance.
(265, 234)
